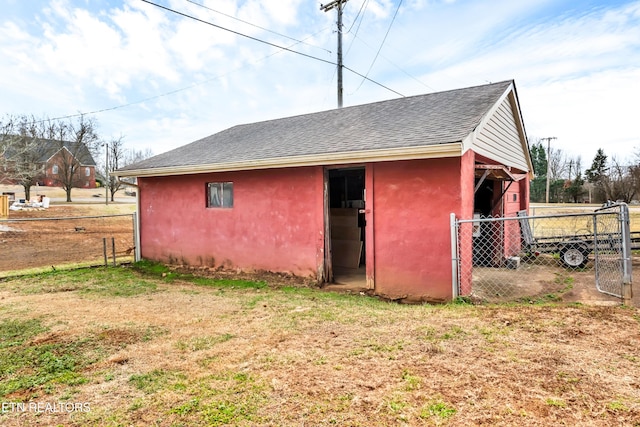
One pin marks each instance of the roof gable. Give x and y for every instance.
(77, 150)
(434, 124)
(501, 135)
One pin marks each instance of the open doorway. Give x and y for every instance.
(347, 225)
(483, 206)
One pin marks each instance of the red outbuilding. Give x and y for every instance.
(363, 192)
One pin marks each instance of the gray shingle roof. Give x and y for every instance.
(46, 148)
(436, 118)
(79, 151)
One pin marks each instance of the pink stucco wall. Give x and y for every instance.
(411, 215)
(276, 222)
(465, 251)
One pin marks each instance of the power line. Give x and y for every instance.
(268, 43)
(170, 92)
(373, 81)
(382, 44)
(256, 26)
(236, 32)
(396, 65)
(282, 48)
(363, 7)
(355, 36)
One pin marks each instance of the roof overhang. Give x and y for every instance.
(497, 173)
(393, 154)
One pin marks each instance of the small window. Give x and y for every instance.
(515, 197)
(220, 195)
(54, 170)
(87, 172)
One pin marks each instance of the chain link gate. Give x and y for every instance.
(612, 250)
(525, 257)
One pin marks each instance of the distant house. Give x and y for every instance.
(53, 162)
(53, 157)
(359, 193)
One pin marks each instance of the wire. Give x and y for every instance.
(381, 44)
(372, 81)
(282, 48)
(362, 6)
(273, 44)
(235, 32)
(256, 26)
(170, 92)
(397, 66)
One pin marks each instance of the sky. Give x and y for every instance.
(160, 79)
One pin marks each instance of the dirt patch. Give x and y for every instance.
(64, 235)
(272, 279)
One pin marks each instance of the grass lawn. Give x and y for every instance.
(144, 345)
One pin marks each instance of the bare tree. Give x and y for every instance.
(575, 166)
(135, 156)
(557, 164)
(22, 154)
(574, 186)
(623, 181)
(117, 157)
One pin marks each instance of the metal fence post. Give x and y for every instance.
(455, 286)
(627, 290)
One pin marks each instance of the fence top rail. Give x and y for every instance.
(64, 218)
(611, 205)
(513, 218)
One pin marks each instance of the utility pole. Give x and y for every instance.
(548, 139)
(327, 7)
(106, 174)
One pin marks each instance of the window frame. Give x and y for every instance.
(224, 195)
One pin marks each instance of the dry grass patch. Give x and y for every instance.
(204, 351)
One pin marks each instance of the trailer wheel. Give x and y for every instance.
(574, 255)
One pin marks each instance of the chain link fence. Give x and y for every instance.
(54, 242)
(528, 257)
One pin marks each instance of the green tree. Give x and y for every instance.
(539, 182)
(574, 189)
(598, 175)
(539, 159)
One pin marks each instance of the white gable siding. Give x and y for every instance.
(500, 140)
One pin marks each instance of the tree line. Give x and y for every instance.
(606, 179)
(29, 143)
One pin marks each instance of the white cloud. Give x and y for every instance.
(586, 113)
(75, 57)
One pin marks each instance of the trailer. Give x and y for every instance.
(573, 249)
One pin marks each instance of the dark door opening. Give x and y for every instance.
(483, 252)
(347, 224)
